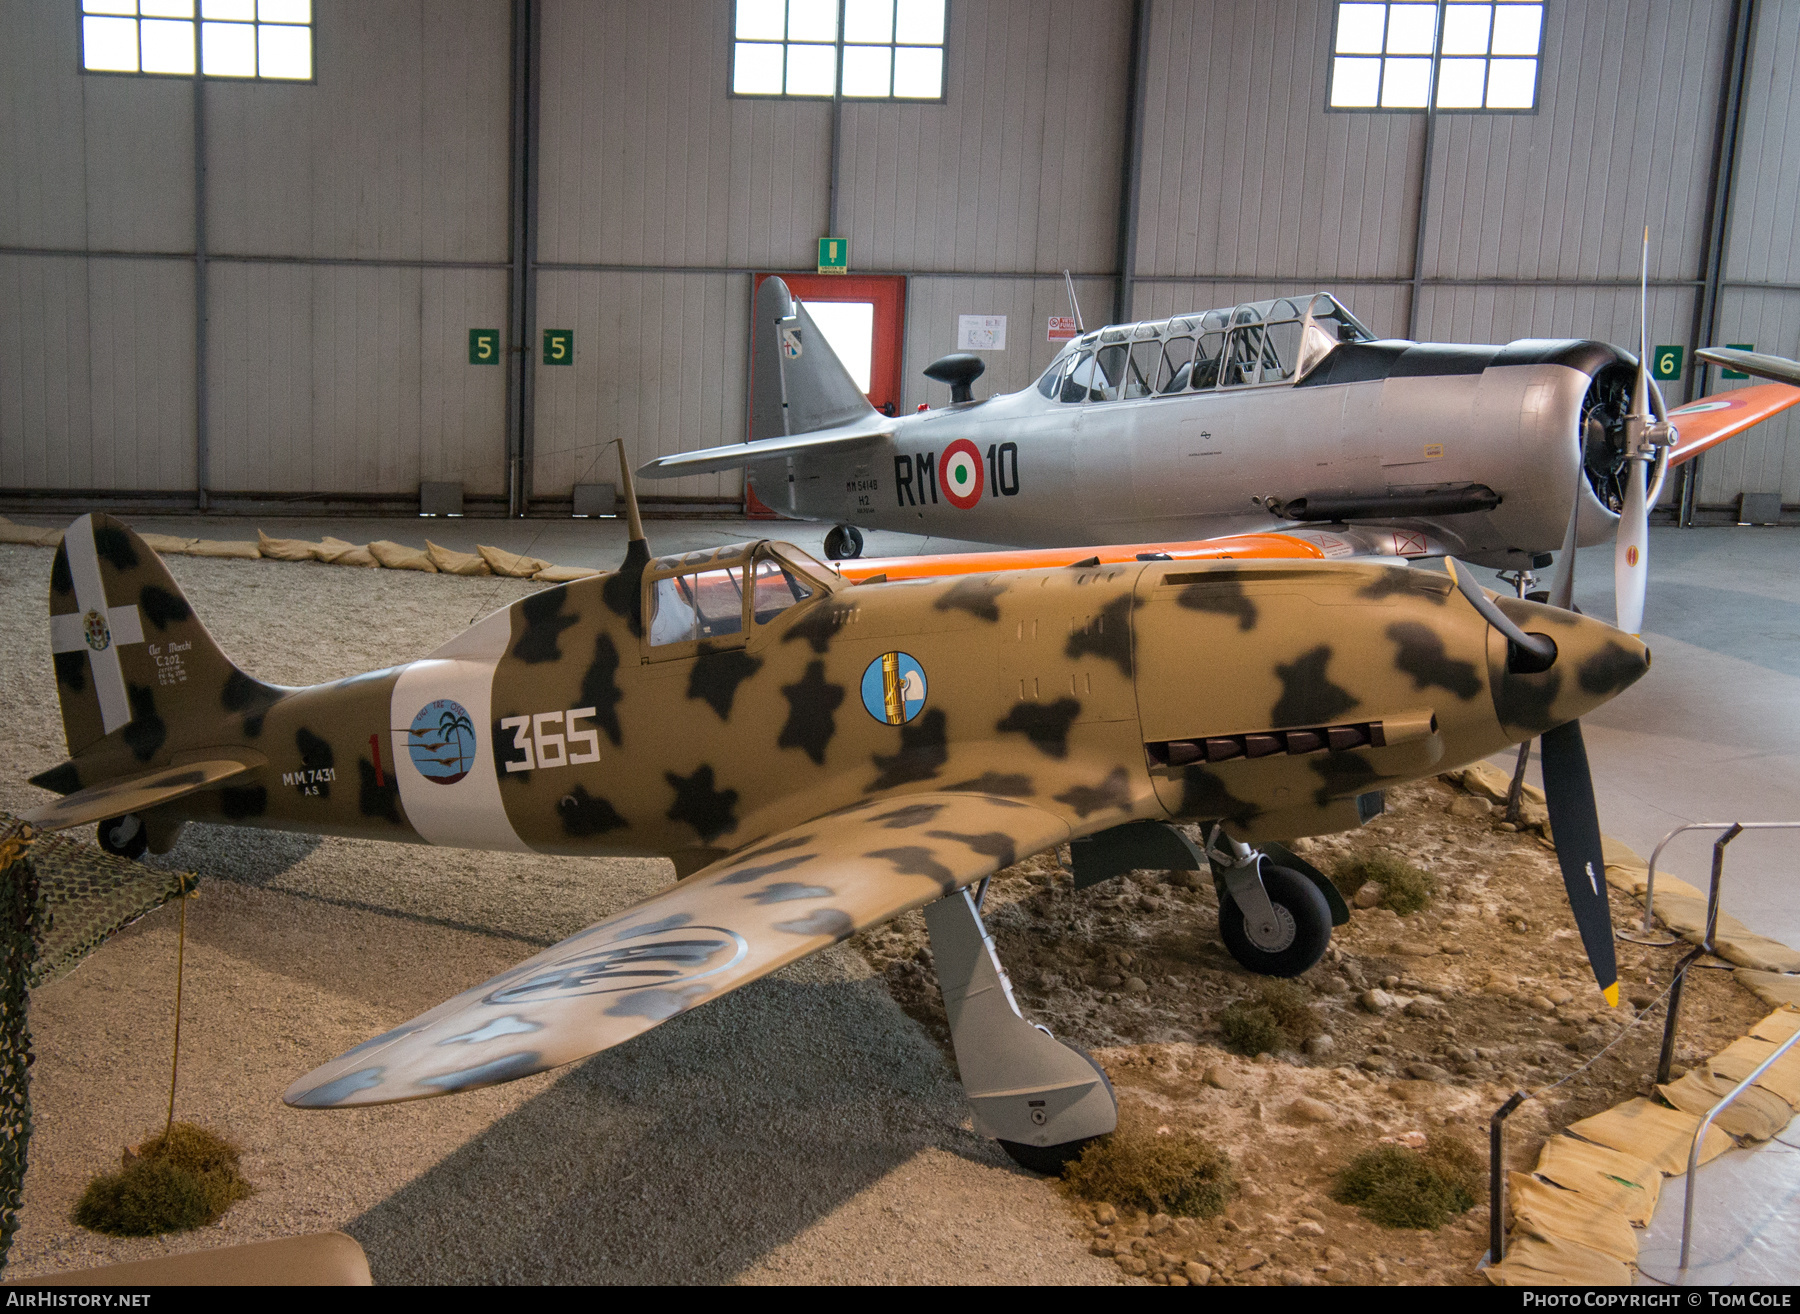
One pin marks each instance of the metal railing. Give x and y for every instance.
(1693, 1167)
(1734, 829)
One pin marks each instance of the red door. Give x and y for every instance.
(863, 316)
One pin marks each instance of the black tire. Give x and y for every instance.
(844, 543)
(1050, 1160)
(1291, 892)
(125, 837)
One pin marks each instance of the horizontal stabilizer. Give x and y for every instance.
(1711, 420)
(736, 455)
(739, 919)
(1760, 363)
(145, 790)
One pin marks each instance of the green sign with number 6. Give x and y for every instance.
(484, 346)
(559, 346)
(1665, 363)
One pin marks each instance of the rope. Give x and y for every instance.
(175, 1053)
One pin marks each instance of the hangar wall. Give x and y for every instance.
(356, 228)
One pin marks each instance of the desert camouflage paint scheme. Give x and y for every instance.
(815, 761)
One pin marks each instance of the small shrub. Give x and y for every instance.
(175, 1182)
(1250, 1029)
(1177, 1172)
(1398, 1187)
(1291, 1005)
(1408, 889)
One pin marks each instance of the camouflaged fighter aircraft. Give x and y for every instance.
(1286, 415)
(818, 756)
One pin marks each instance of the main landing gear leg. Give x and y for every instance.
(843, 543)
(1041, 1099)
(1273, 920)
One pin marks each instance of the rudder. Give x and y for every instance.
(132, 659)
(798, 385)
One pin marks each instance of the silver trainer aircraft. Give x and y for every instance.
(1275, 415)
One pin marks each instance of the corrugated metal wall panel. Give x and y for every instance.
(1765, 228)
(1245, 173)
(645, 158)
(1566, 192)
(98, 163)
(932, 307)
(660, 364)
(399, 151)
(1767, 458)
(348, 379)
(1502, 314)
(96, 373)
(1020, 169)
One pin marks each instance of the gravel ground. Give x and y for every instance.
(802, 1130)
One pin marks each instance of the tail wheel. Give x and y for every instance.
(125, 837)
(1050, 1160)
(843, 543)
(1302, 931)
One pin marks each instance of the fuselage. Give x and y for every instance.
(1281, 697)
(1115, 443)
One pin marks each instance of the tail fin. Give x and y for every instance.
(797, 384)
(133, 662)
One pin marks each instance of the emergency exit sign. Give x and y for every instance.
(834, 255)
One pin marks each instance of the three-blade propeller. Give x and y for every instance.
(1568, 787)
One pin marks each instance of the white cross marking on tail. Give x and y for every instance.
(96, 628)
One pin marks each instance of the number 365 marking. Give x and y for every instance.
(544, 748)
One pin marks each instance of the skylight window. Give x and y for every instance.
(1486, 56)
(257, 40)
(889, 49)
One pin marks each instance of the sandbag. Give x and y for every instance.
(397, 556)
(1622, 1182)
(1756, 1115)
(1488, 781)
(512, 564)
(1533, 1261)
(209, 547)
(1654, 1134)
(32, 535)
(175, 545)
(565, 574)
(455, 563)
(1773, 988)
(1777, 1026)
(1739, 1059)
(287, 549)
(340, 553)
(1540, 1209)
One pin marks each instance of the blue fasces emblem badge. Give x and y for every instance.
(893, 688)
(441, 741)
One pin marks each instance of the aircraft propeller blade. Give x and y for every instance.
(1631, 549)
(1569, 794)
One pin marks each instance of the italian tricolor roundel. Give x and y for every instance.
(960, 473)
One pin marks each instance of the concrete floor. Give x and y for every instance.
(1712, 734)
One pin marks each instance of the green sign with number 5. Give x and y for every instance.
(1665, 363)
(484, 346)
(559, 346)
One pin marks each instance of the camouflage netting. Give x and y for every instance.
(89, 896)
(21, 917)
(60, 899)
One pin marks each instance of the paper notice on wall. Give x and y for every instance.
(1062, 328)
(981, 332)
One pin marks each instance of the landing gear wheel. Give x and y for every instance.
(844, 542)
(125, 837)
(1050, 1160)
(1303, 921)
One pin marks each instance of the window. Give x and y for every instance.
(707, 605)
(890, 49)
(776, 588)
(1487, 56)
(255, 39)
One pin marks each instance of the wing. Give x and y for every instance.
(145, 790)
(1779, 368)
(732, 456)
(1711, 420)
(735, 921)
